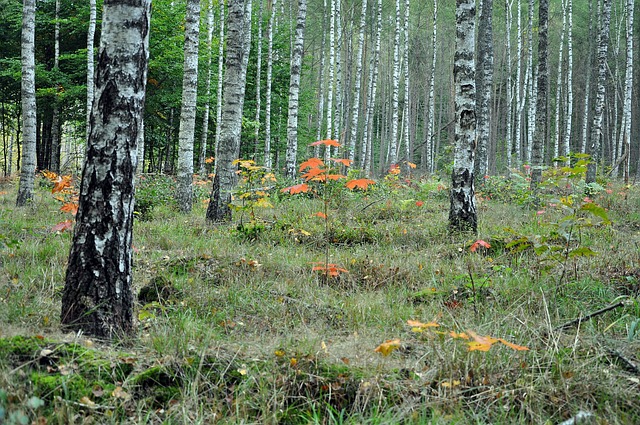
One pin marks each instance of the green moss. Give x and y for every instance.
(20, 349)
(158, 383)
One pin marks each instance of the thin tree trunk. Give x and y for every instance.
(430, 130)
(205, 116)
(355, 107)
(406, 110)
(628, 92)
(339, 109)
(566, 151)
(294, 90)
(596, 125)
(484, 88)
(462, 212)
(186, 135)
(587, 90)
(323, 65)
(97, 296)
(331, 78)
(54, 158)
(558, 114)
(28, 89)
(508, 106)
(531, 90)
(258, 77)
(90, 69)
(540, 136)
(238, 45)
(371, 104)
(519, 89)
(393, 142)
(267, 120)
(221, 43)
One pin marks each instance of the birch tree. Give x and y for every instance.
(186, 135)
(367, 148)
(484, 88)
(509, 98)
(207, 90)
(406, 110)
(628, 90)
(259, 74)
(238, 38)
(294, 90)
(558, 113)
(430, 121)
(395, 82)
(540, 136)
(28, 93)
(267, 120)
(596, 124)
(97, 296)
(531, 90)
(90, 68)
(355, 107)
(221, 43)
(462, 212)
(54, 157)
(569, 114)
(519, 89)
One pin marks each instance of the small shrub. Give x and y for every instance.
(153, 190)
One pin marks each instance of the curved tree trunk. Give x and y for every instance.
(186, 135)
(462, 212)
(28, 169)
(97, 297)
(294, 91)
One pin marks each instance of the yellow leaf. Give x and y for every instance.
(480, 343)
(388, 346)
(514, 346)
(242, 372)
(419, 326)
(87, 401)
(279, 353)
(118, 392)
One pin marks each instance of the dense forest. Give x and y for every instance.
(377, 76)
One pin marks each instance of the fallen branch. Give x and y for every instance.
(626, 364)
(579, 320)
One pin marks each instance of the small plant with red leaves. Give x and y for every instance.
(317, 176)
(63, 191)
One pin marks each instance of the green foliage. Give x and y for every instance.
(152, 191)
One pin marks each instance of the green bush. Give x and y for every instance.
(153, 190)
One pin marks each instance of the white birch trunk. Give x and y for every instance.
(519, 97)
(90, 68)
(205, 115)
(566, 145)
(393, 138)
(628, 91)
(430, 130)
(355, 107)
(339, 109)
(258, 76)
(221, 43)
(531, 89)
(371, 104)
(508, 104)
(267, 110)
(587, 90)
(186, 135)
(331, 77)
(54, 162)
(484, 88)
(558, 113)
(28, 93)
(540, 136)
(462, 212)
(294, 90)
(323, 76)
(406, 110)
(596, 125)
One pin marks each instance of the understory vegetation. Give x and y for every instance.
(282, 316)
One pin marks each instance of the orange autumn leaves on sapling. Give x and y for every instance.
(64, 192)
(316, 173)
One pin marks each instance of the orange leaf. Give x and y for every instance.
(298, 188)
(61, 183)
(335, 176)
(388, 346)
(458, 335)
(330, 269)
(514, 346)
(394, 169)
(321, 215)
(70, 207)
(479, 243)
(419, 326)
(311, 163)
(411, 164)
(480, 343)
(327, 142)
(61, 227)
(419, 203)
(359, 183)
(314, 173)
(345, 162)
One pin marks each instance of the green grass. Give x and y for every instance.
(250, 334)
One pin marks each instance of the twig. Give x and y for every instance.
(625, 362)
(588, 316)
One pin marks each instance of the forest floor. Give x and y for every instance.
(401, 322)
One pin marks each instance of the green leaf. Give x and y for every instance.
(583, 251)
(596, 210)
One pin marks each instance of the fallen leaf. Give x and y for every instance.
(479, 243)
(388, 346)
(63, 226)
(87, 402)
(419, 326)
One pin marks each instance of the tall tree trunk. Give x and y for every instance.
(205, 116)
(186, 135)
(429, 151)
(628, 90)
(97, 297)
(559, 78)
(509, 103)
(462, 212)
(54, 158)
(238, 45)
(406, 110)
(294, 90)
(90, 69)
(395, 82)
(484, 88)
(28, 169)
(339, 109)
(221, 43)
(367, 155)
(540, 136)
(267, 119)
(519, 89)
(569, 115)
(323, 77)
(531, 89)
(258, 77)
(331, 77)
(355, 107)
(596, 125)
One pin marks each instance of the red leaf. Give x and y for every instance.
(345, 162)
(479, 243)
(359, 183)
(298, 188)
(327, 142)
(321, 215)
(61, 227)
(70, 207)
(419, 203)
(311, 163)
